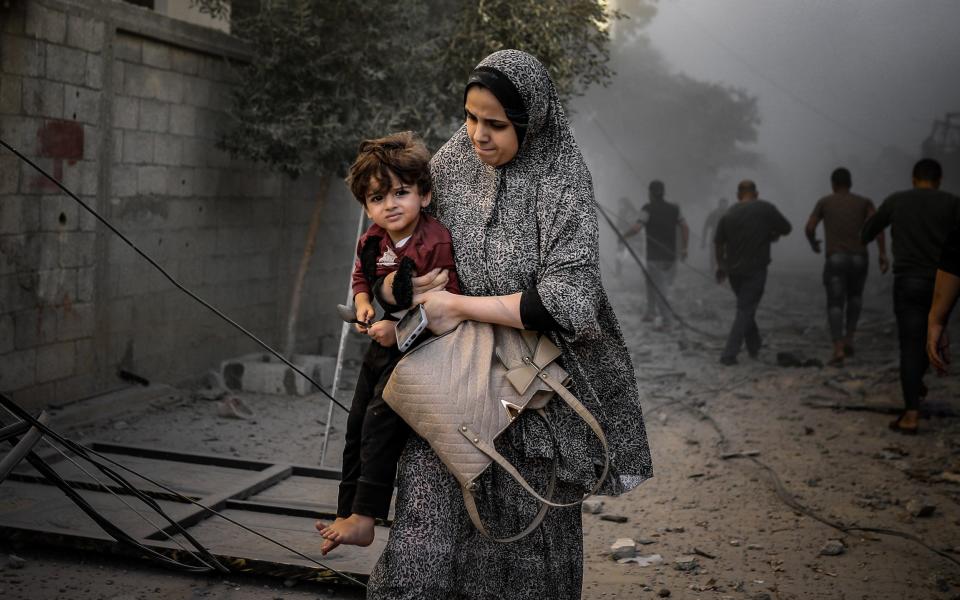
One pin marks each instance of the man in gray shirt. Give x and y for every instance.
(742, 242)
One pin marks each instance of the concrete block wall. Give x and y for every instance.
(125, 106)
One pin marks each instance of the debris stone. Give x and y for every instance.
(234, 408)
(687, 564)
(643, 561)
(921, 508)
(15, 562)
(592, 507)
(833, 548)
(663, 593)
(613, 518)
(623, 548)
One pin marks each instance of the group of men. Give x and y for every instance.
(925, 227)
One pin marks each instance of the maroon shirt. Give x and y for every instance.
(429, 247)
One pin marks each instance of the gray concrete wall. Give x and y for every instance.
(125, 105)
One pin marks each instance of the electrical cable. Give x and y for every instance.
(169, 277)
(86, 453)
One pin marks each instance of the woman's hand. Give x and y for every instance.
(443, 310)
(384, 333)
(938, 347)
(436, 279)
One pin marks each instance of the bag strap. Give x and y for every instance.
(496, 457)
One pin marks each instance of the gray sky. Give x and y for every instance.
(834, 78)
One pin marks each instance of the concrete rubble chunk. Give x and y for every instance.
(643, 561)
(687, 564)
(833, 548)
(921, 508)
(592, 507)
(15, 562)
(623, 548)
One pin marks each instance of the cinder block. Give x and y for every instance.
(156, 54)
(81, 104)
(197, 91)
(35, 327)
(6, 334)
(184, 61)
(91, 142)
(58, 213)
(123, 183)
(128, 48)
(86, 34)
(21, 133)
(56, 286)
(9, 184)
(265, 374)
(86, 284)
(68, 65)
(137, 147)
(125, 112)
(21, 56)
(11, 94)
(181, 182)
(82, 385)
(119, 76)
(43, 98)
(18, 370)
(154, 116)
(76, 323)
(55, 361)
(152, 180)
(78, 249)
(168, 150)
(46, 24)
(93, 76)
(149, 82)
(183, 119)
(86, 359)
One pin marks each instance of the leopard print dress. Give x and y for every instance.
(528, 223)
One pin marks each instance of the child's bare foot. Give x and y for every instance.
(355, 530)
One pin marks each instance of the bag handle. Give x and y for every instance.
(496, 457)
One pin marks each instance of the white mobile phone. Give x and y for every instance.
(410, 327)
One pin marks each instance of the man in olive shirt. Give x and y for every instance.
(742, 242)
(920, 220)
(845, 270)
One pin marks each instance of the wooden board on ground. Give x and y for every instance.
(281, 501)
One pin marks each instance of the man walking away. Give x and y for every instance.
(710, 228)
(845, 269)
(661, 220)
(920, 220)
(742, 242)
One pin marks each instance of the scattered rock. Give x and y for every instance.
(754, 547)
(623, 548)
(15, 562)
(761, 596)
(234, 408)
(645, 542)
(613, 518)
(734, 542)
(643, 561)
(687, 564)
(921, 508)
(703, 553)
(120, 425)
(592, 507)
(289, 583)
(833, 548)
(663, 593)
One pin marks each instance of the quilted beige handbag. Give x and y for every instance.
(461, 390)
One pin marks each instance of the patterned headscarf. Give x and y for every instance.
(532, 223)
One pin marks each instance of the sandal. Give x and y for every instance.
(896, 426)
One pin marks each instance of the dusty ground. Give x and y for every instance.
(843, 466)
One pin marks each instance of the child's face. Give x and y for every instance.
(396, 209)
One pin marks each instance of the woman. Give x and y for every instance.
(512, 187)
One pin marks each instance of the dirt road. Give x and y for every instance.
(748, 526)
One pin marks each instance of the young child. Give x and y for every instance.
(391, 178)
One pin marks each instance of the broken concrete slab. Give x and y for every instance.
(264, 373)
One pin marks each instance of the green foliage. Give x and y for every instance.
(329, 73)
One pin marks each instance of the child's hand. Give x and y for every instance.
(365, 313)
(384, 333)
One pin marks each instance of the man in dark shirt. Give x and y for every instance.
(661, 220)
(946, 290)
(845, 270)
(742, 242)
(710, 227)
(920, 220)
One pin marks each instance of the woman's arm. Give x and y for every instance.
(445, 310)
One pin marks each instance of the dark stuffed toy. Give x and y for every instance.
(402, 281)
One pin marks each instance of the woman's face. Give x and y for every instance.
(493, 136)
